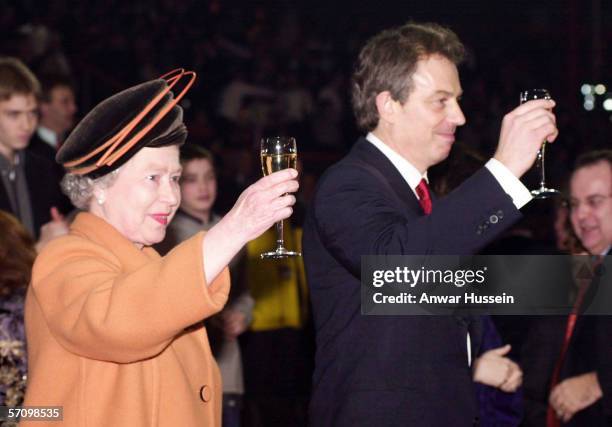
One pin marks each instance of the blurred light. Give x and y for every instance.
(589, 105)
(600, 89)
(589, 98)
(586, 89)
(607, 104)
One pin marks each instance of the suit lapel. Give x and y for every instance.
(366, 152)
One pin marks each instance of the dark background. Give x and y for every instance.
(513, 45)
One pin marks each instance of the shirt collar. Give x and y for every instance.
(410, 173)
(48, 136)
(7, 166)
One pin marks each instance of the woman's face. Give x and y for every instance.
(143, 199)
(198, 187)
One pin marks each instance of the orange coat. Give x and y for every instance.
(106, 328)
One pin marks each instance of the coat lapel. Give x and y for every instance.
(366, 152)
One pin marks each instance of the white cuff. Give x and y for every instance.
(511, 184)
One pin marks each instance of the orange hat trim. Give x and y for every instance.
(110, 156)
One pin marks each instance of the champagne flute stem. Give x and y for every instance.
(280, 241)
(542, 171)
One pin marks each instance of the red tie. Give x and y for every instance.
(551, 417)
(422, 191)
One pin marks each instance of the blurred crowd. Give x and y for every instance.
(283, 67)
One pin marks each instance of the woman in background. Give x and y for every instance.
(198, 195)
(17, 255)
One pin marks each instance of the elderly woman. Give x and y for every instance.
(114, 330)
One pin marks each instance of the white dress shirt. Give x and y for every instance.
(48, 136)
(512, 185)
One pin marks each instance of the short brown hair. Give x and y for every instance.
(51, 81)
(17, 79)
(193, 151)
(388, 60)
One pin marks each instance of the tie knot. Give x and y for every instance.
(422, 191)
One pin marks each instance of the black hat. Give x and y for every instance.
(146, 115)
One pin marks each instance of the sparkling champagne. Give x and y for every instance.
(275, 162)
(278, 153)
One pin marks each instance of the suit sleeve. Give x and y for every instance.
(97, 311)
(603, 361)
(355, 214)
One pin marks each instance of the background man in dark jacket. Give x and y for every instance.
(29, 186)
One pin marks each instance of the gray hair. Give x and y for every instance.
(79, 188)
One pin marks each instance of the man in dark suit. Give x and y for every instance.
(581, 395)
(392, 370)
(57, 115)
(28, 184)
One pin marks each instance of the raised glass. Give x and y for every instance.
(277, 153)
(542, 192)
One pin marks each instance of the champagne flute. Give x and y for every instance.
(542, 192)
(277, 153)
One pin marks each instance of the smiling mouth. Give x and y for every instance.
(589, 231)
(161, 218)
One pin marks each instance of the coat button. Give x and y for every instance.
(493, 219)
(205, 393)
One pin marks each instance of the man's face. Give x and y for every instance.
(591, 206)
(59, 112)
(18, 120)
(424, 126)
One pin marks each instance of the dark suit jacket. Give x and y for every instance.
(390, 370)
(589, 350)
(44, 189)
(42, 149)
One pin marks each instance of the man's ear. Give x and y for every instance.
(385, 105)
